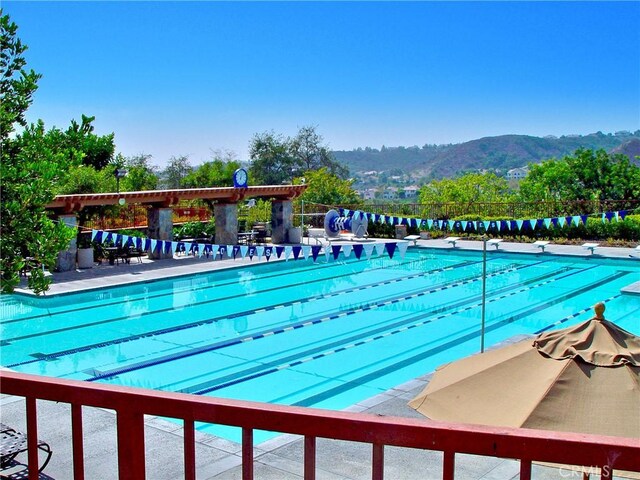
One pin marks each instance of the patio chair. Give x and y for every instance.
(261, 232)
(127, 253)
(13, 442)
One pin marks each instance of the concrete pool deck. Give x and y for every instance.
(280, 457)
(103, 276)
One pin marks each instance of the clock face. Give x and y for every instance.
(240, 177)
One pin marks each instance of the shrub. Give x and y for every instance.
(195, 230)
(595, 229)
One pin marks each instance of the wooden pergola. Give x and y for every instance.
(68, 204)
(159, 213)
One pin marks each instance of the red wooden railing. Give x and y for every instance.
(131, 404)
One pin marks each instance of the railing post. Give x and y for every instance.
(525, 469)
(32, 438)
(131, 460)
(377, 472)
(448, 465)
(189, 450)
(247, 453)
(77, 441)
(309, 458)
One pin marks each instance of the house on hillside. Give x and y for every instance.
(411, 191)
(390, 193)
(517, 173)
(367, 194)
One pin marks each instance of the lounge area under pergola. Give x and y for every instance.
(160, 203)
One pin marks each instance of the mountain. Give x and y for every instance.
(499, 153)
(631, 149)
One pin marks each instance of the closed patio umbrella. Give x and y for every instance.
(583, 379)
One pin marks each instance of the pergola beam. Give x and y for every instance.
(167, 198)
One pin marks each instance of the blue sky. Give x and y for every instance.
(185, 78)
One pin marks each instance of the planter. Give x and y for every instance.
(85, 257)
(295, 235)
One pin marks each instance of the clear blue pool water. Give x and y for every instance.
(301, 333)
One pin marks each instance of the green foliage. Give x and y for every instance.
(586, 175)
(34, 164)
(83, 240)
(86, 179)
(381, 230)
(328, 189)
(310, 153)
(595, 229)
(214, 173)
(174, 175)
(276, 159)
(195, 230)
(385, 230)
(97, 150)
(26, 230)
(259, 213)
(271, 159)
(470, 189)
(17, 84)
(132, 232)
(141, 175)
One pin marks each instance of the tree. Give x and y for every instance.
(173, 176)
(328, 189)
(17, 85)
(98, 150)
(308, 149)
(217, 172)
(26, 231)
(141, 175)
(548, 181)
(271, 159)
(30, 165)
(277, 159)
(585, 175)
(468, 189)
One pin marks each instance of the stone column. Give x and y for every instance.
(226, 215)
(281, 220)
(160, 227)
(67, 258)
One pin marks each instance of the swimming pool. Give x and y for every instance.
(301, 333)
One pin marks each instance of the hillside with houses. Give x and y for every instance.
(396, 173)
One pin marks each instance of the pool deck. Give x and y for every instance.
(281, 457)
(106, 275)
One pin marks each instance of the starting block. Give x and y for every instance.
(541, 244)
(452, 240)
(495, 242)
(413, 238)
(590, 246)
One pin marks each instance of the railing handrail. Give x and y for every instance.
(527, 444)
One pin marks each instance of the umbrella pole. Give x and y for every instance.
(484, 289)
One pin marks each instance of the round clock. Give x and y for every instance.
(240, 178)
